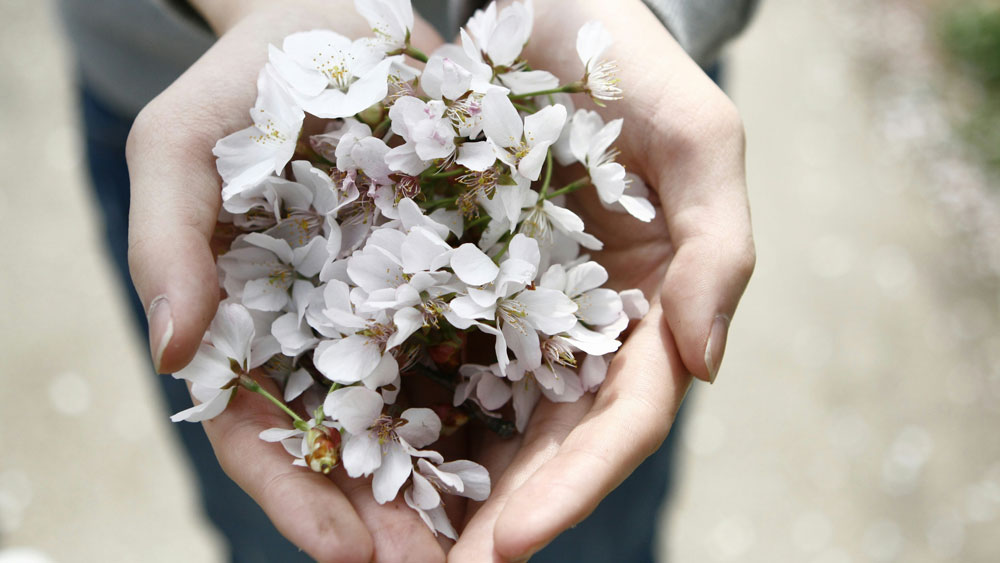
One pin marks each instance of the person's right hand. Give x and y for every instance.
(175, 202)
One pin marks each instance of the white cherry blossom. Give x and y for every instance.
(331, 76)
(521, 144)
(599, 78)
(391, 20)
(590, 142)
(211, 372)
(249, 156)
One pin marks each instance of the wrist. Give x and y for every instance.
(223, 15)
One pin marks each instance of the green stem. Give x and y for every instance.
(569, 188)
(478, 222)
(571, 88)
(431, 206)
(526, 108)
(248, 383)
(448, 174)
(548, 175)
(503, 250)
(415, 53)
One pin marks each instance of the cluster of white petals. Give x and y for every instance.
(420, 218)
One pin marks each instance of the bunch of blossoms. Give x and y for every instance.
(412, 217)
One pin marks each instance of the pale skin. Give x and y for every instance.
(681, 134)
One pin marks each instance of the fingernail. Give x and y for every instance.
(716, 346)
(161, 328)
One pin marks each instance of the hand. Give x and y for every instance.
(684, 137)
(175, 203)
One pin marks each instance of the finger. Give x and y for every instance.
(175, 193)
(515, 461)
(631, 415)
(703, 189)
(303, 505)
(398, 533)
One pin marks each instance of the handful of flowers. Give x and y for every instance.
(412, 216)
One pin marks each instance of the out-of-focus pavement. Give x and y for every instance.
(855, 418)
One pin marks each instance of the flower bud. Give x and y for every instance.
(324, 449)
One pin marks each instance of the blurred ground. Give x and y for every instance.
(854, 419)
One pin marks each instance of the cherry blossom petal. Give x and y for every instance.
(392, 473)
(355, 408)
(476, 156)
(472, 265)
(298, 381)
(361, 454)
(348, 360)
(501, 122)
(422, 427)
(475, 478)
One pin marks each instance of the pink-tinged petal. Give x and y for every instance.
(407, 321)
(477, 155)
(501, 122)
(593, 370)
(355, 408)
(361, 454)
(591, 41)
(232, 331)
(206, 410)
(545, 126)
(265, 295)
(474, 477)
(384, 373)
(526, 395)
(634, 303)
(392, 473)
(425, 496)
(492, 392)
(422, 427)
(473, 266)
(278, 434)
(348, 360)
(297, 383)
(210, 367)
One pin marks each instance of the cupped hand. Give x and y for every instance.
(693, 261)
(174, 206)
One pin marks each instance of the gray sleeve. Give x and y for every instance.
(702, 27)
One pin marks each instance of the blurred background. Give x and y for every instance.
(857, 415)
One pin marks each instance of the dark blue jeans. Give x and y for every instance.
(622, 529)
